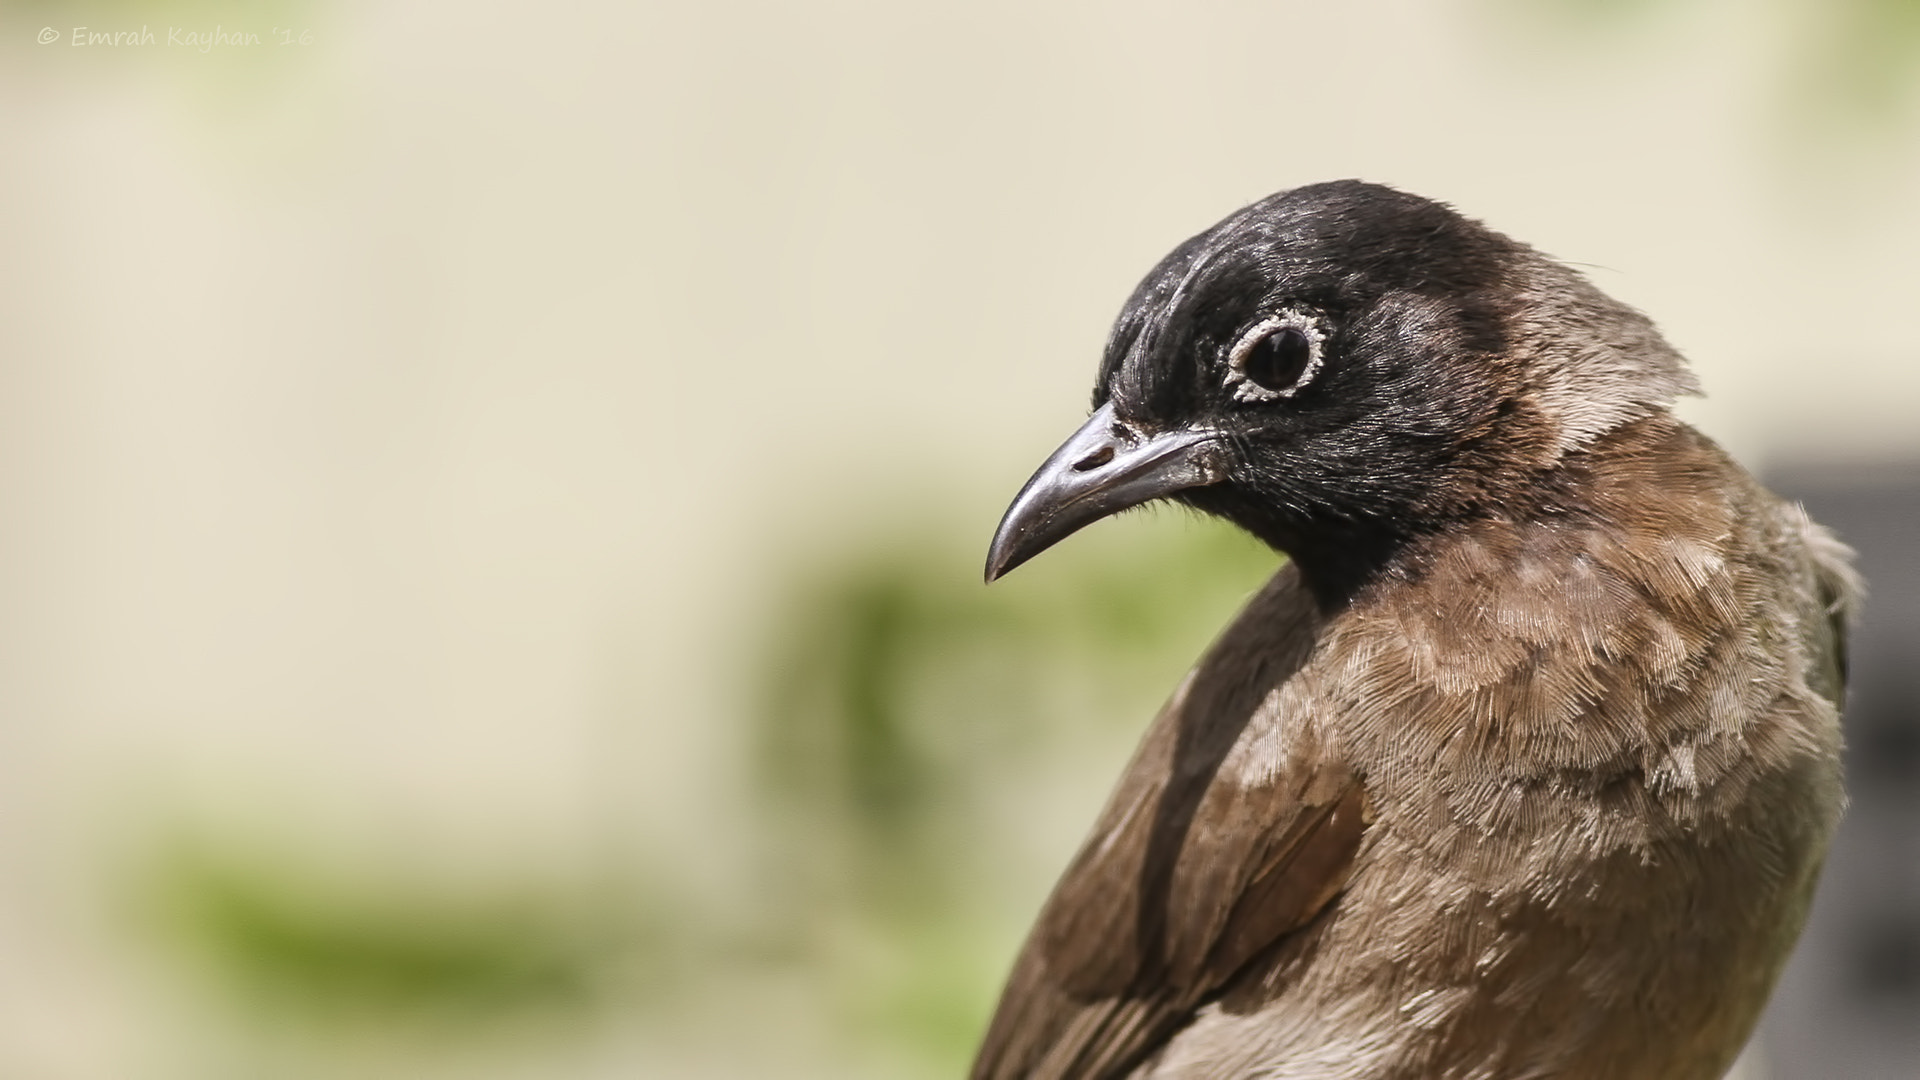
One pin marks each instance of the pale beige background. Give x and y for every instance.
(396, 431)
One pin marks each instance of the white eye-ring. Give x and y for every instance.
(1276, 357)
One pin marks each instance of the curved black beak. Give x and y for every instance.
(1104, 468)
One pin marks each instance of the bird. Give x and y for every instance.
(1524, 762)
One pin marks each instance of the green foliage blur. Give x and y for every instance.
(918, 750)
(916, 728)
(304, 943)
(1853, 62)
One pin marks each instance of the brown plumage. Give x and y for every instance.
(1523, 766)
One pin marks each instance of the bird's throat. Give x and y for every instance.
(1338, 559)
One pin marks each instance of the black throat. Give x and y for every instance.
(1337, 558)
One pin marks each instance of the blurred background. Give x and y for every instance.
(492, 495)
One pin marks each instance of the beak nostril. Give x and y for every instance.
(1094, 460)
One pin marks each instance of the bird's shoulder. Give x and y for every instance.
(1662, 621)
(1233, 827)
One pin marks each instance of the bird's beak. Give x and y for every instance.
(1104, 468)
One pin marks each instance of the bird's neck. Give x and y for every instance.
(1342, 556)
(1337, 556)
(1338, 560)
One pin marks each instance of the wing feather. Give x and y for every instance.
(1194, 870)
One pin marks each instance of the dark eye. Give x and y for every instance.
(1276, 362)
(1276, 357)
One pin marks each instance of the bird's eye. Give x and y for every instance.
(1278, 360)
(1275, 358)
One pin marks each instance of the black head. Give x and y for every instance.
(1338, 368)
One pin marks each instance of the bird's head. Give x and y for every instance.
(1337, 369)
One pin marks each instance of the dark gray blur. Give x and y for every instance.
(1849, 1004)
